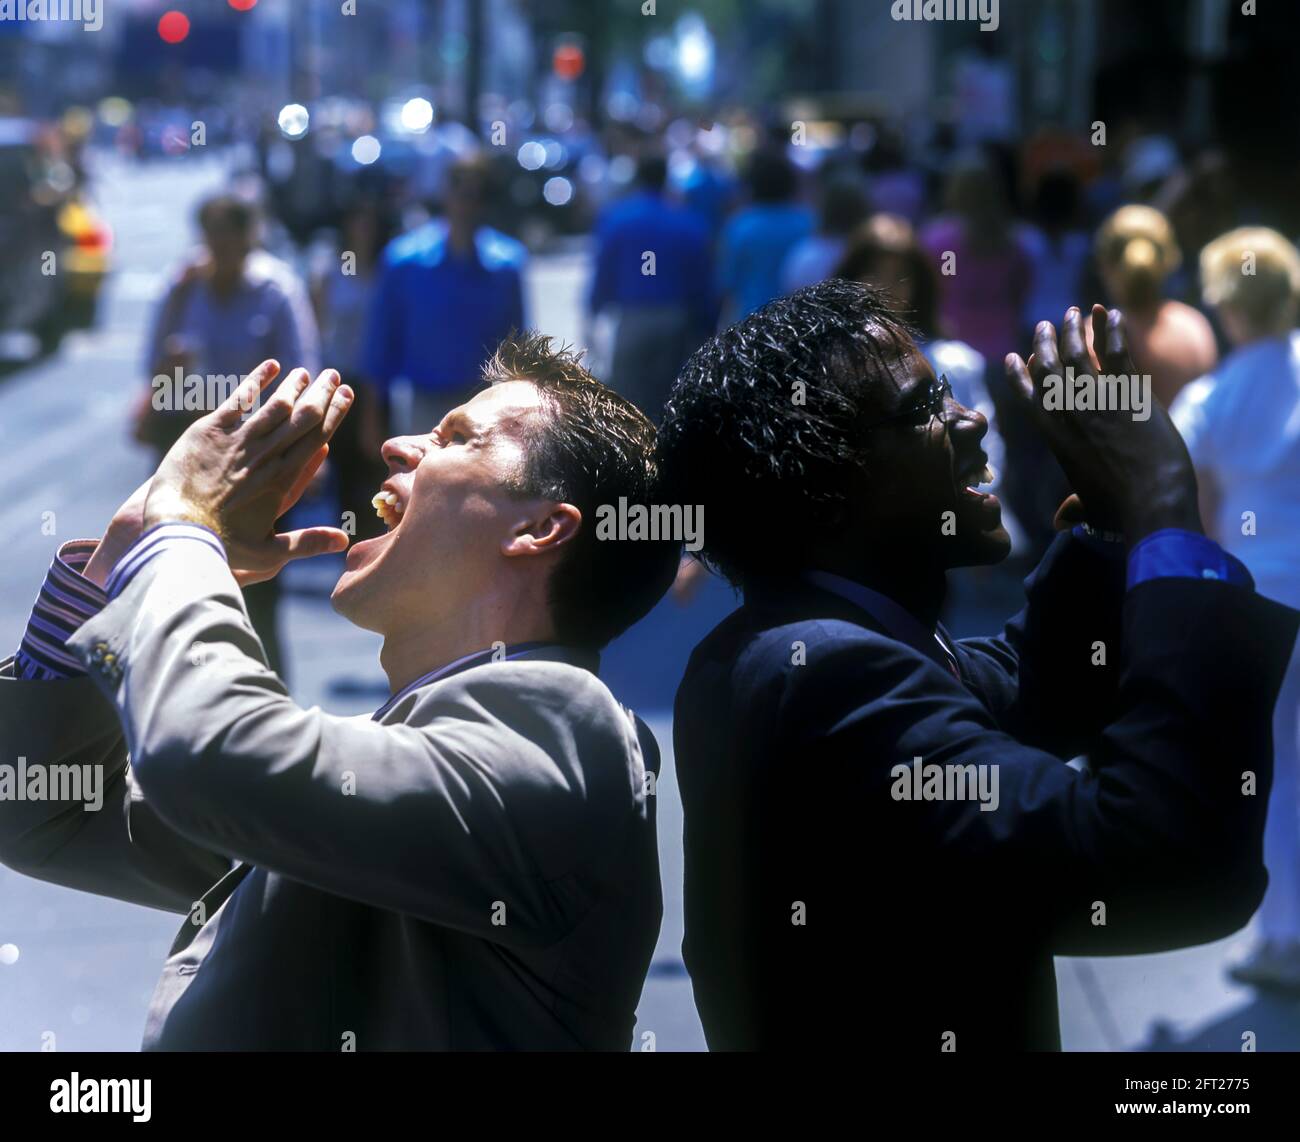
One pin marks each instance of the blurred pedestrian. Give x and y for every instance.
(230, 305)
(841, 207)
(896, 187)
(757, 238)
(448, 293)
(653, 281)
(342, 295)
(708, 189)
(1242, 428)
(1136, 252)
(985, 273)
(1058, 248)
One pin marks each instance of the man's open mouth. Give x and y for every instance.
(974, 477)
(389, 506)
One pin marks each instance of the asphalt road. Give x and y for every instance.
(85, 967)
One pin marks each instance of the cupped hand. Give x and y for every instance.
(1127, 475)
(240, 468)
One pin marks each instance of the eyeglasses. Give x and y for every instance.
(921, 411)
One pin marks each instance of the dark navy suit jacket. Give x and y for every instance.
(824, 913)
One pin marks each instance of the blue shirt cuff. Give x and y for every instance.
(153, 543)
(1173, 553)
(67, 599)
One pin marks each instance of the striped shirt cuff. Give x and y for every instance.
(152, 543)
(67, 600)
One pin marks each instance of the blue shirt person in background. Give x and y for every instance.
(448, 293)
(842, 205)
(759, 237)
(653, 280)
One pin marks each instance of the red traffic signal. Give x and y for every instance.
(174, 26)
(569, 61)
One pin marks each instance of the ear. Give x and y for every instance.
(537, 535)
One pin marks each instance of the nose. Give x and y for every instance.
(966, 422)
(401, 454)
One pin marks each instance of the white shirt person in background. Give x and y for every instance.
(1242, 427)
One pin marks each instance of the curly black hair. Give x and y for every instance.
(765, 418)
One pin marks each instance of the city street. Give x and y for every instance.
(86, 967)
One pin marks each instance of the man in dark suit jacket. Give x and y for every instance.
(887, 839)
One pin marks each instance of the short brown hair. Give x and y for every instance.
(589, 448)
(228, 210)
(472, 168)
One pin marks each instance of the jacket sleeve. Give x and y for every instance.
(1166, 829)
(107, 840)
(475, 813)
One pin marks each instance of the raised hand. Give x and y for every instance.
(1129, 475)
(238, 472)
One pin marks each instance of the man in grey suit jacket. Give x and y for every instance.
(473, 867)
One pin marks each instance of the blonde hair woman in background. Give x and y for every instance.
(1242, 428)
(1136, 252)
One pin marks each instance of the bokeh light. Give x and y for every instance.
(557, 191)
(417, 115)
(114, 110)
(174, 26)
(366, 150)
(293, 120)
(532, 155)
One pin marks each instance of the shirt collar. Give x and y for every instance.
(437, 246)
(479, 658)
(896, 619)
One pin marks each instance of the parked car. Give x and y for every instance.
(55, 247)
(87, 244)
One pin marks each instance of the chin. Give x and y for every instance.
(349, 600)
(991, 547)
(987, 541)
(360, 582)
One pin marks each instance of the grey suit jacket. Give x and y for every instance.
(476, 870)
